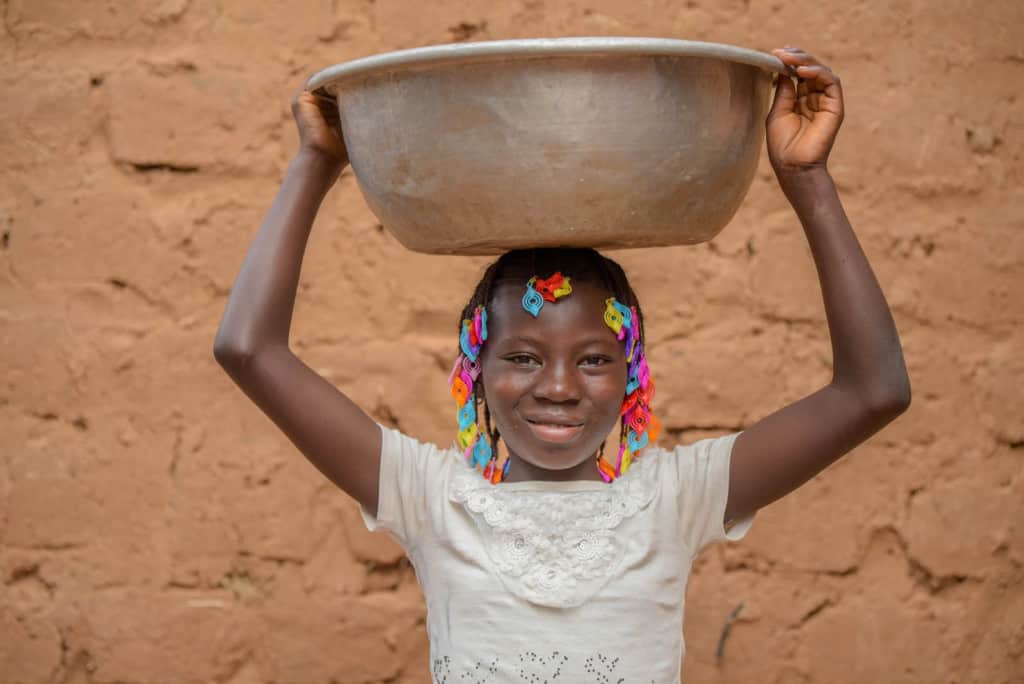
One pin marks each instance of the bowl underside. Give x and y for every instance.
(608, 143)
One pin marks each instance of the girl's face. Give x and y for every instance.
(554, 384)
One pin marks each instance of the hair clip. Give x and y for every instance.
(637, 442)
(460, 391)
(641, 427)
(612, 316)
(466, 343)
(481, 453)
(480, 324)
(467, 436)
(467, 415)
(540, 290)
(628, 403)
(606, 471)
(552, 288)
(470, 367)
(460, 361)
(532, 300)
(640, 419)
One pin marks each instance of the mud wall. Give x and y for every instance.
(155, 527)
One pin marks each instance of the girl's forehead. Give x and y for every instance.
(582, 311)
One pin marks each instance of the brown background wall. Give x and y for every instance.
(154, 527)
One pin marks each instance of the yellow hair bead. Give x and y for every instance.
(612, 316)
(467, 436)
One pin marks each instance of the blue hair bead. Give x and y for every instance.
(467, 414)
(637, 442)
(467, 348)
(481, 452)
(532, 301)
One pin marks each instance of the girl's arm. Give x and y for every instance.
(252, 341)
(869, 386)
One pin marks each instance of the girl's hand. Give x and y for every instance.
(319, 127)
(805, 118)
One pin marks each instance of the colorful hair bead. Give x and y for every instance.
(460, 392)
(466, 343)
(467, 415)
(470, 367)
(465, 371)
(467, 436)
(482, 453)
(640, 427)
(607, 471)
(639, 420)
(555, 287)
(635, 441)
(532, 300)
(540, 290)
(612, 316)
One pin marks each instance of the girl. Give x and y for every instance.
(545, 554)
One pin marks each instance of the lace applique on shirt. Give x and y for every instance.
(555, 548)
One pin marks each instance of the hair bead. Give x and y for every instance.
(540, 290)
(465, 371)
(639, 426)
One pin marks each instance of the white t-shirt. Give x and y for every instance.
(554, 581)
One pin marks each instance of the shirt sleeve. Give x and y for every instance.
(409, 471)
(701, 474)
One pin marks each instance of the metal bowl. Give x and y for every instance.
(476, 148)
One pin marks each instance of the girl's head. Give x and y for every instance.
(551, 360)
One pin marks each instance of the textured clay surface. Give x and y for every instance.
(155, 527)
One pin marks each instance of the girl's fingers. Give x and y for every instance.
(785, 97)
(819, 78)
(795, 57)
(802, 88)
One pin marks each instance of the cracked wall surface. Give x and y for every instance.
(155, 527)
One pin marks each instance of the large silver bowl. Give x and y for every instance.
(475, 148)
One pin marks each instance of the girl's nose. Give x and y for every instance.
(558, 382)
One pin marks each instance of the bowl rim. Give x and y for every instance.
(539, 47)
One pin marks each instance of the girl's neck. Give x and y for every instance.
(524, 471)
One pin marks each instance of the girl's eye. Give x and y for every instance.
(595, 361)
(521, 360)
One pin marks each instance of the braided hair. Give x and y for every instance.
(581, 265)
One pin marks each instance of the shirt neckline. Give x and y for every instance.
(639, 464)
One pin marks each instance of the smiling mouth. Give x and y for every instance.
(554, 432)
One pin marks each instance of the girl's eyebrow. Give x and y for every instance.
(521, 338)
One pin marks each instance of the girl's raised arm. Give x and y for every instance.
(252, 341)
(869, 386)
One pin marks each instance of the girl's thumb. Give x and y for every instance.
(785, 97)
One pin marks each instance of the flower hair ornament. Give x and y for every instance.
(639, 426)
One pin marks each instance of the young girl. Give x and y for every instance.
(544, 552)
